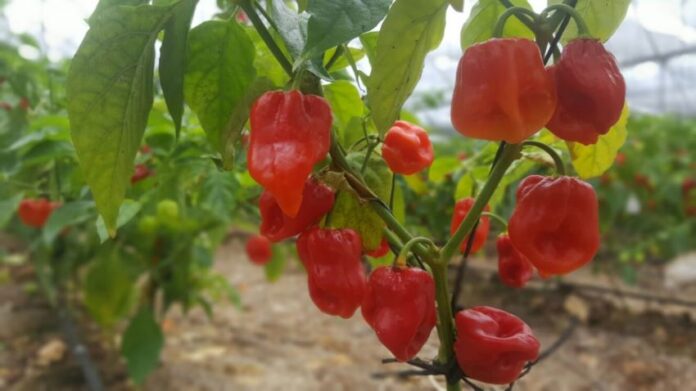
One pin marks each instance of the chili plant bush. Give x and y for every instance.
(325, 133)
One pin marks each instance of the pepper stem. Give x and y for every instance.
(521, 14)
(583, 30)
(403, 254)
(496, 217)
(560, 167)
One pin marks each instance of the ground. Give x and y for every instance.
(279, 341)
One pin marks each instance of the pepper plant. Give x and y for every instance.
(328, 142)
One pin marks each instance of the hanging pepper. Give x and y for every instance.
(492, 345)
(689, 196)
(514, 269)
(258, 249)
(591, 92)
(335, 275)
(502, 91)
(290, 133)
(407, 148)
(35, 212)
(380, 251)
(399, 305)
(140, 172)
(317, 200)
(555, 223)
(461, 209)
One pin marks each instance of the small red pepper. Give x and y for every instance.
(514, 269)
(591, 92)
(258, 249)
(290, 133)
(399, 305)
(555, 223)
(502, 91)
(335, 275)
(380, 251)
(407, 148)
(493, 345)
(35, 212)
(461, 209)
(689, 196)
(317, 200)
(6, 106)
(140, 172)
(24, 103)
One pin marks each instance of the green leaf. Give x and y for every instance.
(412, 28)
(126, 212)
(334, 22)
(465, 187)
(593, 160)
(8, 207)
(441, 167)
(141, 345)
(108, 289)
(218, 194)
(458, 5)
(219, 72)
(369, 43)
(47, 150)
(265, 62)
(105, 4)
(274, 269)
(172, 63)
(483, 18)
(602, 17)
(342, 62)
(291, 25)
(348, 110)
(110, 93)
(68, 214)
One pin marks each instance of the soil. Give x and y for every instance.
(279, 341)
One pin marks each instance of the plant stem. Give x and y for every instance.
(560, 167)
(266, 36)
(510, 154)
(445, 322)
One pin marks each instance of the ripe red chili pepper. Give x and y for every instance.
(380, 251)
(6, 106)
(407, 148)
(689, 196)
(461, 209)
(493, 345)
(258, 249)
(399, 305)
(24, 103)
(591, 92)
(140, 172)
(555, 223)
(290, 133)
(35, 212)
(502, 91)
(514, 269)
(335, 275)
(317, 200)
(145, 149)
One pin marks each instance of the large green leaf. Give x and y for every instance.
(218, 194)
(108, 289)
(141, 345)
(127, 211)
(483, 18)
(66, 215)
(602, 17)
(334, 22)
(8, 207)
(219, 72)
(274, 269)
(348, 110)
(412, 28)
(292, 26)
(110, 93)
(172, 62)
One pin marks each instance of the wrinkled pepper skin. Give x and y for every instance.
(317, 201)
(555, 223)
(258, 249)
(502, 91)
(380, 251)
(290, 133)
(399, 306)
(461, 209)
(514, 269)
(35, 212)
(591, 92)
(335, 275)
(407, 148)
(492, 345)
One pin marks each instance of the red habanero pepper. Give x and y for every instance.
(258, 249)
(290, 133)
(407, 148)
(317, 200)
(493, 345)
(461, 209)
(399, 305)
(140, 172)
(591, 92)
(514, 269)
(35, 212)
(380, 251)
(555, 223)
(689, 196)
(335, 275)
(502, 91)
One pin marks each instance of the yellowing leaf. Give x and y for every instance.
(593, 160)
(416, 183)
